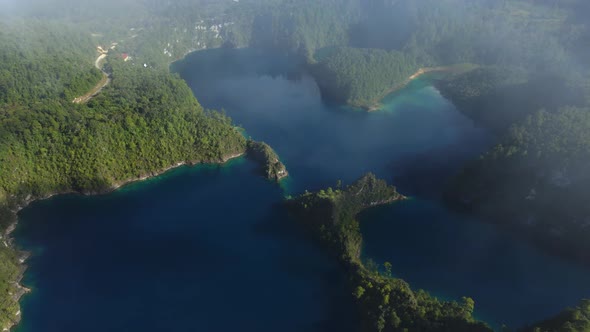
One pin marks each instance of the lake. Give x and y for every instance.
(211, 248)
(198, 249)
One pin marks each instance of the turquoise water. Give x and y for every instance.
(211, 248)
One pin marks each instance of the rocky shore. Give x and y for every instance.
(270, 164)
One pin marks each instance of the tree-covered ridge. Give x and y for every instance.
(535, 35)
(536, 180)
(497, 97)
(44, 61)
(539, 38)
(570, 320)
(144, 122)
(385, 303)
(359, 77)
(302, 27)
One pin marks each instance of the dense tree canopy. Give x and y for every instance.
(145, 121)
(536, 180)
(360, 76)
(570, 320)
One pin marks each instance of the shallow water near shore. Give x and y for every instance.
(211, 248)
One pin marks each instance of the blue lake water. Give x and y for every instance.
(199, 249)
(211, 248)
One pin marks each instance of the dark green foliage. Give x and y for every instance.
(9, 273)
(536, 179)
(392, 39)
(271, 165)
(303, 27)
(385, 303)
(56, 61)
(361, 77)
(497, 97)
(570, 320)
(144, 122)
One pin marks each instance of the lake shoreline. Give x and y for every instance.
(24, 255)
(377, 105)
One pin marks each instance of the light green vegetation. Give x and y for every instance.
(144, 122)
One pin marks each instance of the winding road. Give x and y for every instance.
(99, 86)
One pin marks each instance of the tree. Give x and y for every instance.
(387, 266)
(359, 292)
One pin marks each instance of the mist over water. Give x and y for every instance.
(418, 141)
(322, 143)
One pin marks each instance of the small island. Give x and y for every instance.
(385, 303)
(270, 165)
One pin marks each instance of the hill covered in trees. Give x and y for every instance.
(359, 77)
(546, 36)
(572, 319)
(145, 121)
(536, 180)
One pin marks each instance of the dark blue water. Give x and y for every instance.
(212, 249)
(452, 256)
(418, 135)
(202, 249)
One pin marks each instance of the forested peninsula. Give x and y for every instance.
(385, 303)
(522, 79)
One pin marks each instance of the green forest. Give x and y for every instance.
(534, 36)
(361, 76)
(535, 180)
(570, 320)
(145, 121)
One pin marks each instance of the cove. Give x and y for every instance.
(197, 249)
(417, 138)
